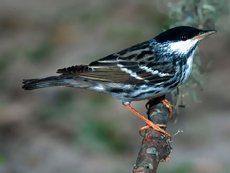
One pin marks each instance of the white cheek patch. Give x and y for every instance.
(182, 47)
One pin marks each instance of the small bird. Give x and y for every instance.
(146, 70)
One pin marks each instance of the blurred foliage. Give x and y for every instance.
(128, 33)
(198, 13)
(2, 158)
(181, 168)
(5, 60)
(95, 131)
(40, 52)
(55, 109)
(97, 101)
(119, 171)
(191, 167)
(202, 14)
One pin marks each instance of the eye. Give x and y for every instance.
(183, 37)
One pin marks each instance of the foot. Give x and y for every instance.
(149, 123)
(157, 127)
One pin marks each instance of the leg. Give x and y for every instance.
(149, 123)
(162, 100)
(168, 105)
(147, 127)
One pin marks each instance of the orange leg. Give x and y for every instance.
(168, 105)
(147, 127)
(149, 123)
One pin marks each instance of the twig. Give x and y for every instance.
(155, 146)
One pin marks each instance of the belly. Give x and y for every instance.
(128, 93)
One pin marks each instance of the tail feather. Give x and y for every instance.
(61, 80)
(30, 84)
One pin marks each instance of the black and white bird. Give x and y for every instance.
(145, 70)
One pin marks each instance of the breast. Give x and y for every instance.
(187, 68)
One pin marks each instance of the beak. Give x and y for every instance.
(203, 34)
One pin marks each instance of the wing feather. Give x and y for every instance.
(138, 64)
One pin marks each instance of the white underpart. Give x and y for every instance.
(145, 88)
(182, 47)
(189, 66)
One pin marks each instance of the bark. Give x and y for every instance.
(155, 147)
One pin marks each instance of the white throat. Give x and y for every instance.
(182, 47)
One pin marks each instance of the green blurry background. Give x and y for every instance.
(64, 130)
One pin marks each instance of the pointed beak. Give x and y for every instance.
(203, 34)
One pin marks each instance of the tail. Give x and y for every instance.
(30, 84)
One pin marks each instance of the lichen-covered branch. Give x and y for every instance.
(155, 146)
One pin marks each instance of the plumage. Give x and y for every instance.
(145, 70)
(130, 66)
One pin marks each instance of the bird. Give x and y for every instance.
(146, 70)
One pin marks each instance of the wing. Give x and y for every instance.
(135, 65)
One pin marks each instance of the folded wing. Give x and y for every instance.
(135, 65)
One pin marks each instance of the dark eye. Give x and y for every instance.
(183, 37)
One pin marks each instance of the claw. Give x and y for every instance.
(149, 123)
(157, 127)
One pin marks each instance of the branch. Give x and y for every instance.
(155, 147)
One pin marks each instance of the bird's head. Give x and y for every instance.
(182, 40)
